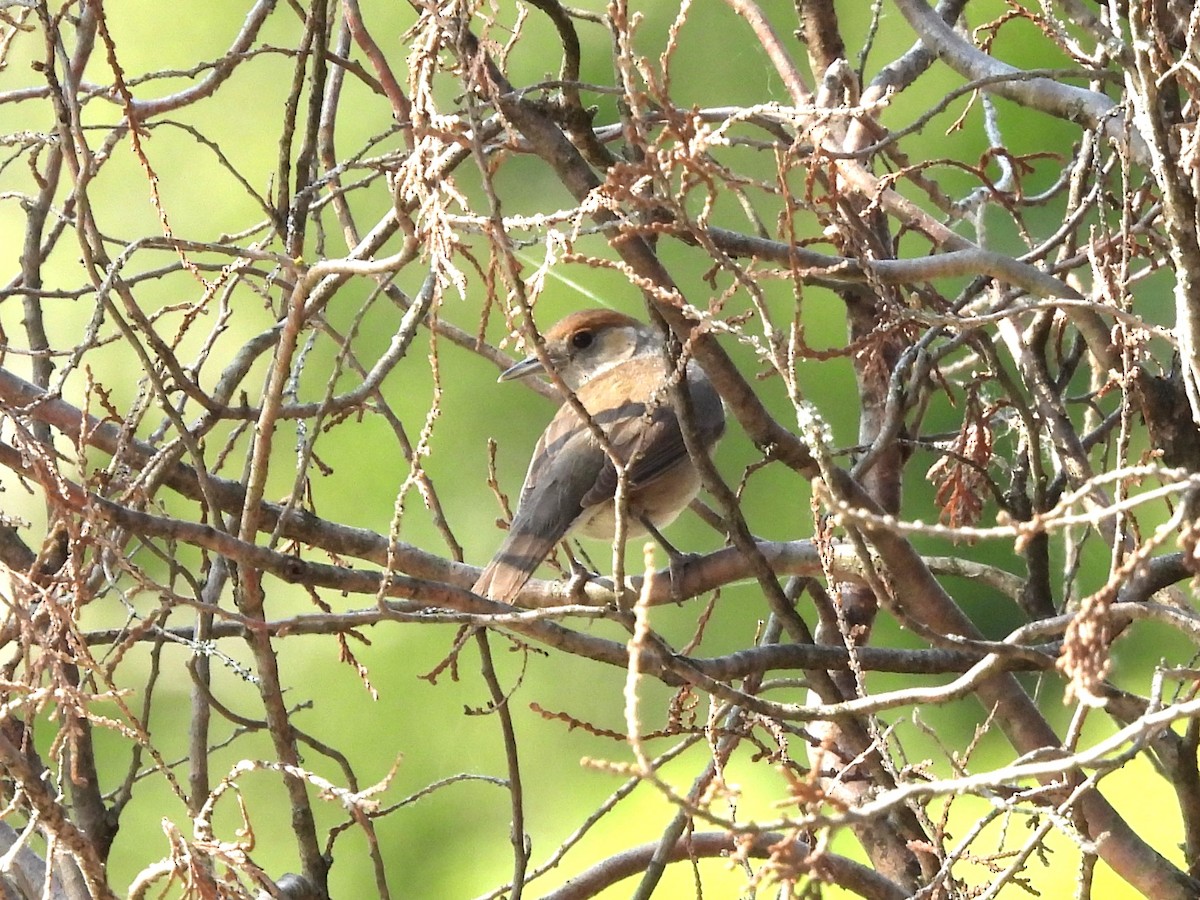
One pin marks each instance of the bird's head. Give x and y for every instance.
(587, 343)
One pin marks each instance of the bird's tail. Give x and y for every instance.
(516, 562)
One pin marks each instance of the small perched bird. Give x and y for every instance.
(615, 366)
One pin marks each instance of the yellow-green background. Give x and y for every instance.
(454, 842)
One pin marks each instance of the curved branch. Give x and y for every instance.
(1074, 104)
(791, 858)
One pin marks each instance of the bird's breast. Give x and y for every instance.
(660, 502)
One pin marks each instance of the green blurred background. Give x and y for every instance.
(454, 841)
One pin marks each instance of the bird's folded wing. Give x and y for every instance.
(565, 467)
(566, 464)
(645, 433)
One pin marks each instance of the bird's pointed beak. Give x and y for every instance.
(523, 369)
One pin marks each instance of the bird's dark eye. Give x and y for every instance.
(581, 340)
